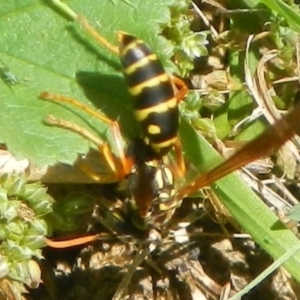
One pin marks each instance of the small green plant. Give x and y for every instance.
(23, 229)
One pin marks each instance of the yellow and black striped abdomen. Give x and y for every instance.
(150, 86)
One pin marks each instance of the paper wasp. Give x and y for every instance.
(270, 141)
(155, 104)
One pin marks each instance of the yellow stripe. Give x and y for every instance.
(140, 63)
(136, 90)
(165, 144)
(131, 46)
(142, 114)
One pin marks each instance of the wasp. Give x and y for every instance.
(155, 95)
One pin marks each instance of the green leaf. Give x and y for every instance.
(45, 51)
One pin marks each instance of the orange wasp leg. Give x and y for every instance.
(179, 168)
(181, 93)
(182, 87)
(126, 163)
(73, 242)
(265, 144)
(100, 39)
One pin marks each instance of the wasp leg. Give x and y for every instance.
(102, 147)
(179, 158)
(72, 243)
(179, 170)
(177, 166)
(96, 35)
(182, 87)
(84, 22)
(265, 144)
(126, 163)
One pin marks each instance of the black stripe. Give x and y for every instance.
(168, 122)
(148, 71)
(154, 95)
(140, 51)
(135, 54)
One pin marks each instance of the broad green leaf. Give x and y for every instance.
(45, 51)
